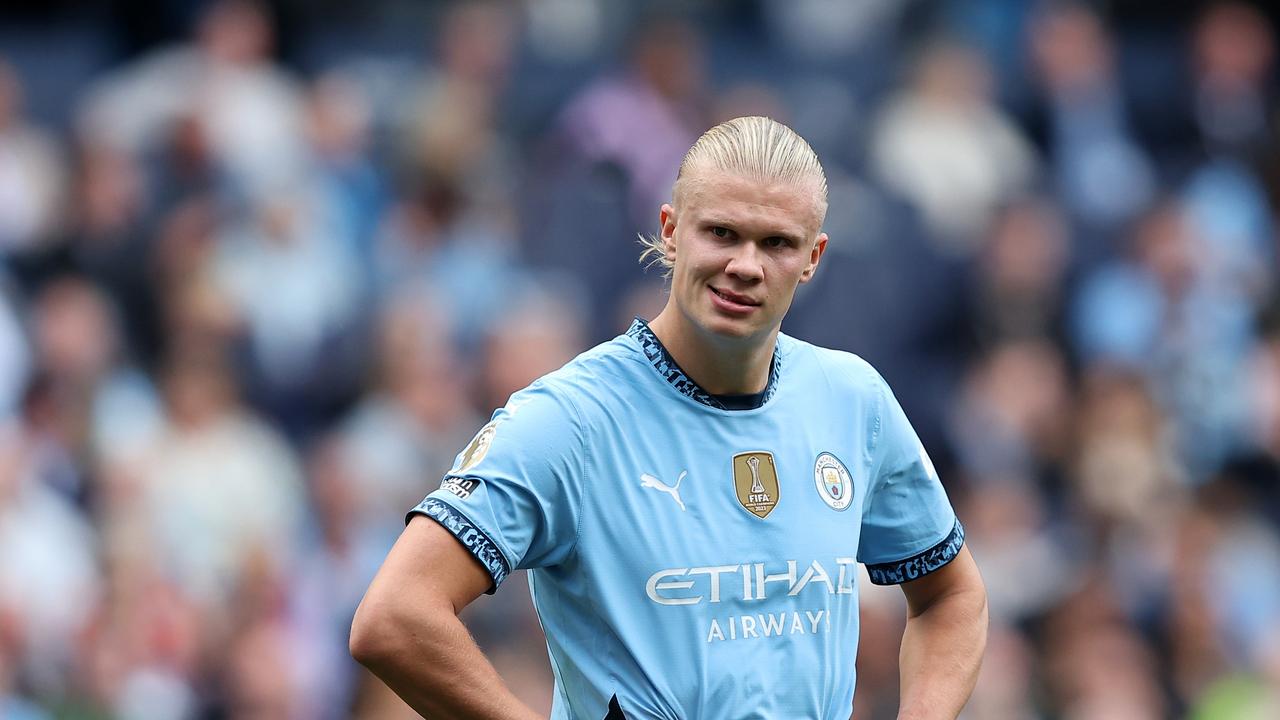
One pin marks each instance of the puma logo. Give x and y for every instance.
(649, 481)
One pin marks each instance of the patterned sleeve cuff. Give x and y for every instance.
(917, 566)
(472, 538)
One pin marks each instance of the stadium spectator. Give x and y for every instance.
(32, 173)
(1102, 175)
(943, 145)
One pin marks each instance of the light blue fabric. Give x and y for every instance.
(613, 481)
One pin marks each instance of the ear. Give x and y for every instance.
(815, 257)
(667, 217)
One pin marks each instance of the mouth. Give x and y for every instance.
(732, 301)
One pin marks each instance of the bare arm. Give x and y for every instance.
(944, 641)
(407, 631)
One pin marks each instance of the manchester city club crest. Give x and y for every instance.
(835, 487)
(755, 479)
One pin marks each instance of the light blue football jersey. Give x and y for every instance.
(690, 560)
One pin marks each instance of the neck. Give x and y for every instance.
(720, 365)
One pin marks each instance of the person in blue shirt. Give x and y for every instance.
(692, 499)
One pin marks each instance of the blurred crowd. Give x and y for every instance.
(261, 281)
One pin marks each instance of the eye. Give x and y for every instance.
(776, 242)
(720, 232)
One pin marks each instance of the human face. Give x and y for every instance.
(740, 248)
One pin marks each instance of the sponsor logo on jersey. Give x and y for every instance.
(477, 448)
(787, 585)
(757, 581)
(649, 481)
(766, 625)
(835, 486)
(460, 486)
(755, 478)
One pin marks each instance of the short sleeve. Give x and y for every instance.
(908, 526)
(513, 495)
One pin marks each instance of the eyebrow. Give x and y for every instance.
(715, 221)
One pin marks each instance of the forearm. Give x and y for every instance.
(941, 652)
(435, 666)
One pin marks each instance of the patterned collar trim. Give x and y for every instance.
(669, 370)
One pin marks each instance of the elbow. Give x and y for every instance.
(373, 635)
(387, 632)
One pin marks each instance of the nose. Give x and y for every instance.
(744, 263)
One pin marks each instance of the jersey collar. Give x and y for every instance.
(667, 367)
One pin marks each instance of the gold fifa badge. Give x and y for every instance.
(755, 478)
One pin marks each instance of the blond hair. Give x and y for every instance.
(754, 147)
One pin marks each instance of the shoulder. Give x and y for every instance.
(582, 383)
(845, 371)
(621, 355)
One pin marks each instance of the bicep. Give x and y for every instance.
(958, 576)
(429, 564)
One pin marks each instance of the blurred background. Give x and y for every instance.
(265, 269)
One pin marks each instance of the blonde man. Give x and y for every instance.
(692, 498)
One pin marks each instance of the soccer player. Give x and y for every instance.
(692, 498)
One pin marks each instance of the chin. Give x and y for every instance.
(730, 329)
